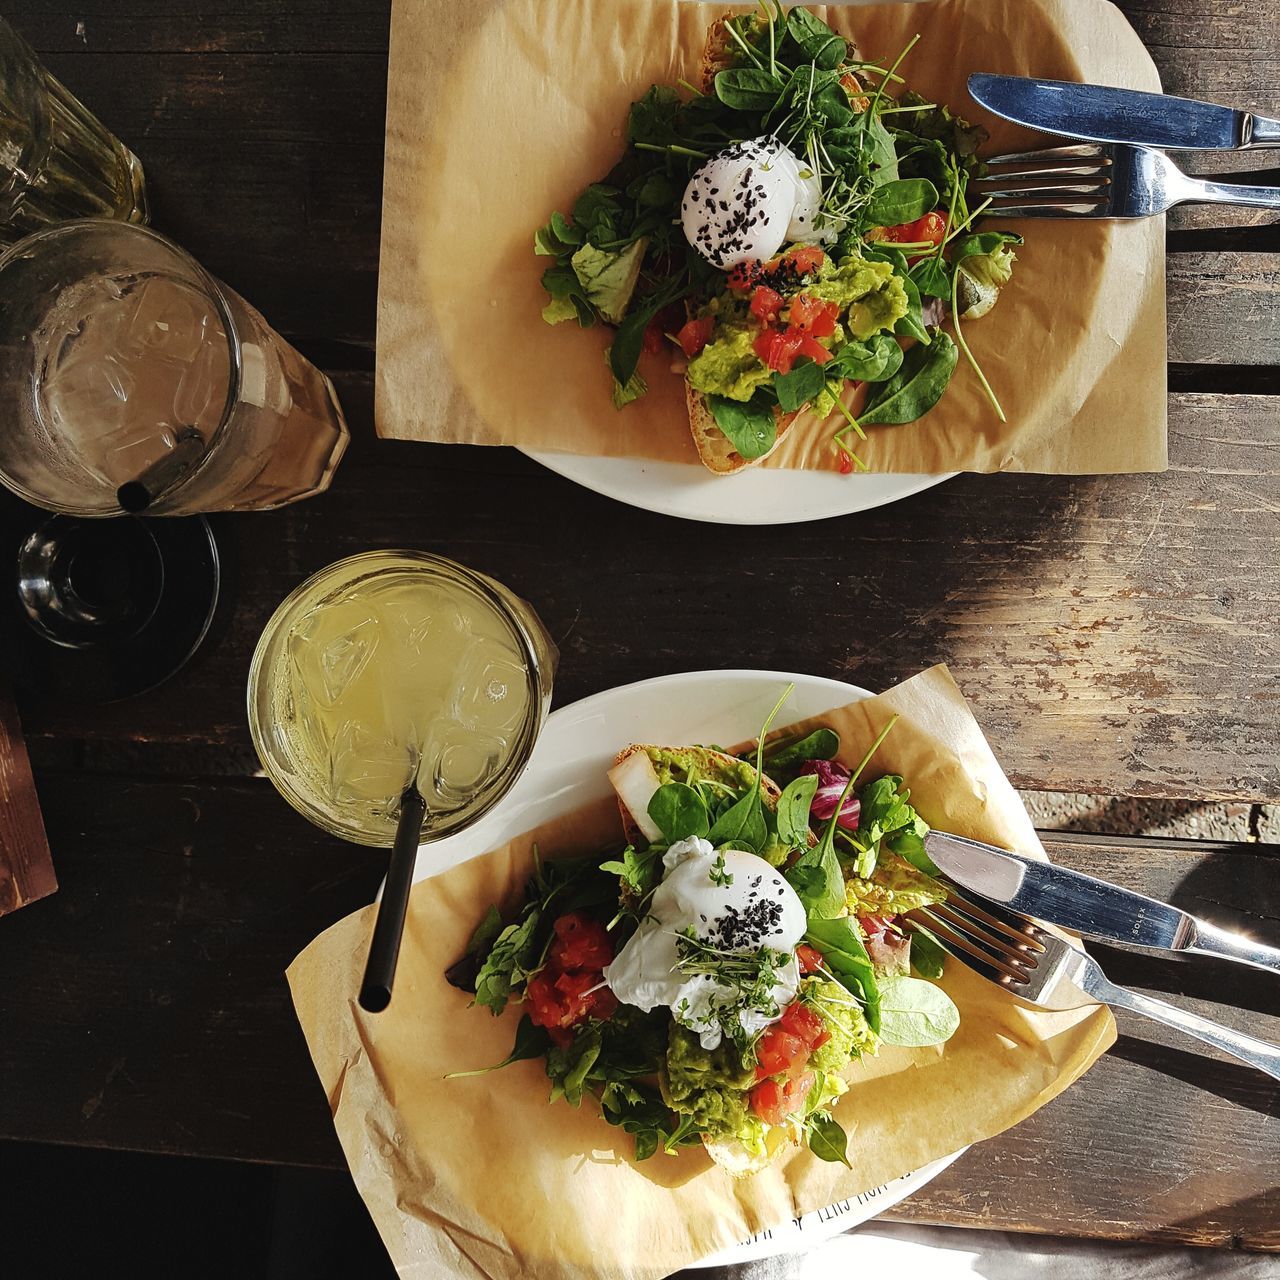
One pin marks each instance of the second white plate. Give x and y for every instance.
(756, 496)
(568, 769)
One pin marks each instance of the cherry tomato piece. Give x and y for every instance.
(580, 943)
(766, 304)
(810, 958)
(774, 1100)
(800, 1021)
(695, 334)
(816, 317)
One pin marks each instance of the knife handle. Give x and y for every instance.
(1257, 1053)
(1263, 132)
(1211, 941)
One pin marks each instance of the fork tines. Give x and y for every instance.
(997, 944)
(1031, 183)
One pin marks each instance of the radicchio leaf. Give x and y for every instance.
(832, 779)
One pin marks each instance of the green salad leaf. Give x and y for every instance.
(679, 811)
(827, 1139)
(845, 956)
(750, 427)
(916, 387)
(531, 1042)
(915, 1013)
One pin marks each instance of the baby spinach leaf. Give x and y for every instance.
(912, 324)
(916, 387)
(797, 388)
(748, 88)
(531, 1042)
(845, 956)
(914, 1012)
(872, 361)
(816, 877)
(819, 44)
(751, 427)
(931, 277)
(742, 824)
(485, 933)
(927, 955)
(899, 201)
(679, 811)
(909, 844)
(793, 811)
(508, 963)
(827, 1138)
(821, 744)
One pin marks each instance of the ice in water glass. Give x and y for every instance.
(133, 380)
(57, 161)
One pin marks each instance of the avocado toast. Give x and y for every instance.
(797, 225)
(711, 980)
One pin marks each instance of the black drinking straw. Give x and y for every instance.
(388, 928)
(135, 496)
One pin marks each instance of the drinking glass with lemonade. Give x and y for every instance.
(394, 670)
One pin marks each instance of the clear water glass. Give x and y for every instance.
(134, 381)
(57, 160)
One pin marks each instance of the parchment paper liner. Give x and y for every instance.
(481, 1178)
(500, 111)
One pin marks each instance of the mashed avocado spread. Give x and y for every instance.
(871, 301)
(684, 765)
(844, 1021)
(708, 1084)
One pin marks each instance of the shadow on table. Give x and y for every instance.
(1233, 1082)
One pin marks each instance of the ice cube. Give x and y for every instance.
(331, 647)
(169, 319)
(86, 399)
(460, 762)
(493, 689)
(202, 389)
(127, 454)
(368, 768)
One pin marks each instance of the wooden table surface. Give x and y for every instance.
(1116, 636)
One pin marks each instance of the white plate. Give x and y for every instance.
(568, 769)
(755, 496)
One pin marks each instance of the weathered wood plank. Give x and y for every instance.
(145, 1007)
(1224, 308)
(1116, 634)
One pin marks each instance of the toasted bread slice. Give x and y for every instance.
(715, 451)
(714, 448)
(635, 778)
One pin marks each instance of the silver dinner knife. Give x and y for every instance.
(1089, 906)
(1101, 114)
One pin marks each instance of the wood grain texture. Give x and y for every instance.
(145, 1008)
(1115, 634)
(26, 865)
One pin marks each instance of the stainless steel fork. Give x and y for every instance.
(1101, 180)
(1013, 951)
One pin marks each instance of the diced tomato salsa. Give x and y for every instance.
(570, 988)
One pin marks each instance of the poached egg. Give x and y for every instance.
(737, 908)
(749, 200)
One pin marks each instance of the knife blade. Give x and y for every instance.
(1102, 114)
(1090, 906)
